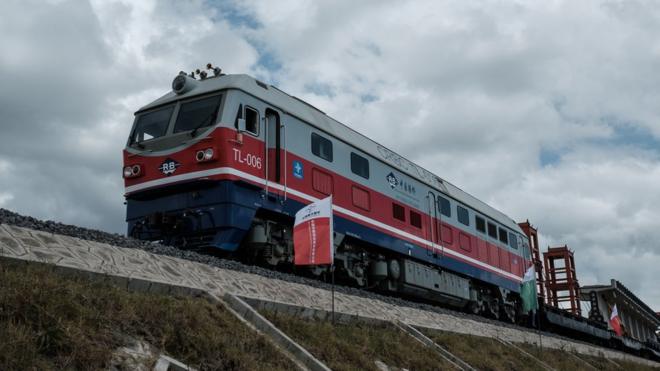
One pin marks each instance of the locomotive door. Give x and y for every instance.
(433, 232)
(273, 168)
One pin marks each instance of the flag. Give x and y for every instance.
(313, 234)
(614, 321)
(528, 290)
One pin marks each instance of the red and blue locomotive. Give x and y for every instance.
(225, 161)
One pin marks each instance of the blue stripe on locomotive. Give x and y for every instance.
(230, 207)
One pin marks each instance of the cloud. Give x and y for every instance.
(600, 202)
(547, 111)
(74, 73)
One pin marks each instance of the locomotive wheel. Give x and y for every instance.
(473, 308)
(491, 309)
(508, 313)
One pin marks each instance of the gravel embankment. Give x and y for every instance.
(9, 217)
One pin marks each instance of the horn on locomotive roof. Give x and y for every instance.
(216, 70)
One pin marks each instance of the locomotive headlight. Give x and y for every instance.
(183, 84)
(204, 155)
(132, 171)
(128, 172)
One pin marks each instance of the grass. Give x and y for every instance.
(357, 346)
(603, 364)
(48, 321)
(558, 359)
(483, 353)
(562, 360)
(489, 354)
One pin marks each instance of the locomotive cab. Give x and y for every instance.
(181, 156)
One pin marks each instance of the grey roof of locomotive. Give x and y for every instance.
(306, 112)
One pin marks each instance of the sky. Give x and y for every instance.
(547, 110)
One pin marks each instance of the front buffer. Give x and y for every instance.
(194, 214)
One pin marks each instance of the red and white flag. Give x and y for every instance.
(615, 322)
(313, 234)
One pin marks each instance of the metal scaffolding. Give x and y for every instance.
(561, 281)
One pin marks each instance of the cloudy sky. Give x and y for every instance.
(546, 110)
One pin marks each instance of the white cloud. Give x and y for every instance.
(74, 73)
(474, 91)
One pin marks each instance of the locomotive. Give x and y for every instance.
(223, 162)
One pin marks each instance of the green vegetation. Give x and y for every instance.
(601, 363)
(483, 353)
(359, 345)
(563, 360)
(555, 358)
(48, 322)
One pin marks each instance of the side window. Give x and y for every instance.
(492, 230)
(321, 147)
(359, 165)
(251, 120)
(504, 236)
(415, 219)
(513, 241)
(463, 215)
(398, 212)
(445, 208)
(480, 223)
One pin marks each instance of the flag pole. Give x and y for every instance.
(538, 320)
(538, 328)
(332, 272)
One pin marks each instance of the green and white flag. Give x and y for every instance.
(528, 290)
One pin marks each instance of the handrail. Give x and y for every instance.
(267, 174)
(283, 128)
(430, 203)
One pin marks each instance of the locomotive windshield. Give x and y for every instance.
(197, 114)
(152, 125)
(191, 116)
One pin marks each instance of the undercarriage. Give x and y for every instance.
(270, 242)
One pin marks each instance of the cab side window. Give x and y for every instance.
(251, 120)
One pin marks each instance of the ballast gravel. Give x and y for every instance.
(12, 218)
